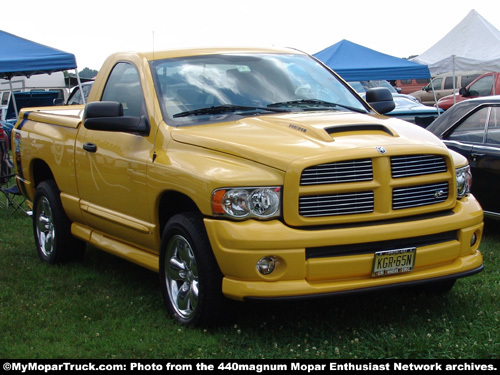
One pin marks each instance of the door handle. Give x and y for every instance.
(477, 155)
(90, 147)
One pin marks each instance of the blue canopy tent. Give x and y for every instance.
(22, 57)
(354, 62)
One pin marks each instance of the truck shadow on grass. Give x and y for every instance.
(363, 309)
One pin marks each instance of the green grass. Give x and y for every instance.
(105, 307)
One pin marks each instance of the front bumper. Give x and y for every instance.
(239, 245)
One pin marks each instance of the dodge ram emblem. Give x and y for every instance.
(381, 149)
(438, 194)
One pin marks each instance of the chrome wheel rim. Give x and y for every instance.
(181, 275)
(45, 230)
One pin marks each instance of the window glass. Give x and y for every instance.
(5, 97)
(124, 86)
(471, 130)
(76, 98)
(437, 82)
(493, 134)
(448, 83)
(189, 87)
(468, 79)
(482, 87)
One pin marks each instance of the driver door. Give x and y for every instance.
(111, 167)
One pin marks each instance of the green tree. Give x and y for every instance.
(88, 73)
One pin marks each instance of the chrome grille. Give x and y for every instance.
(336, 204)
(339, 172)
(336, 199)
(415, 196)
(417, 165)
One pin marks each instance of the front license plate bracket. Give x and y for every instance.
(391, 262)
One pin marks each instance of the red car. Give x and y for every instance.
(485, 85)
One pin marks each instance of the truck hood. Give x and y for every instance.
(277, 140)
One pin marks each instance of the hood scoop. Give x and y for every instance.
(371, 128)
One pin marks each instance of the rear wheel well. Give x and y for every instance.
(41, 172)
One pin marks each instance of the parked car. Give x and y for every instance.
(485, 85)
(443, 86)
(35, 83)
(411, 110)
(408, 86)
(472, 128)
(23, 99)
(75, 97)
(407, 107)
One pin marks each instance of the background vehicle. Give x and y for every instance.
(411, 110)
(407, 86)
(485, 85)
(472, 128)
(75, 96)
(25, 99)
(407, 107)
(443, 86)
(53, 82)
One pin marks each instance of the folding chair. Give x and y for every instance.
(14, 199)
(10, 190)
(5, 164)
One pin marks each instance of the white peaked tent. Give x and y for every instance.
(474, 44)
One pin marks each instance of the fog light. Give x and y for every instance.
(266, 265)
(473, 239)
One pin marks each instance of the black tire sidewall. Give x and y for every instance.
(62, 238)
(210, 300)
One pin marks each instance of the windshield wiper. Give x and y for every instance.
(313, 104)
(218, 109)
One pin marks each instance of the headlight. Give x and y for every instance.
(247, 202)
(464, 181)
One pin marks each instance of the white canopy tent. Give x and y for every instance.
(473, 44)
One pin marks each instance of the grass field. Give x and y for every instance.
(105, 307)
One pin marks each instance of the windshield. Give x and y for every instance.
(201, 89)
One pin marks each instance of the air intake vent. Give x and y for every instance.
(339, 172)
(416, 165)
(415, 196)
(359, 128)
(336, 204)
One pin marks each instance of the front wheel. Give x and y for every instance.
(191, 281)
(51, 227)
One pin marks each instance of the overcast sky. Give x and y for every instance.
(93, 29)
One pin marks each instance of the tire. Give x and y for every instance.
(52, 228)
(191, 282)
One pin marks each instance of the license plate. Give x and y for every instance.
(390, 262)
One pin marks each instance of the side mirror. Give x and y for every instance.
(95, 110)
(463, 91)
(58, 101)
(380, 99)
(108, 116)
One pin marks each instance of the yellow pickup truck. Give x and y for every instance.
(246, 174)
